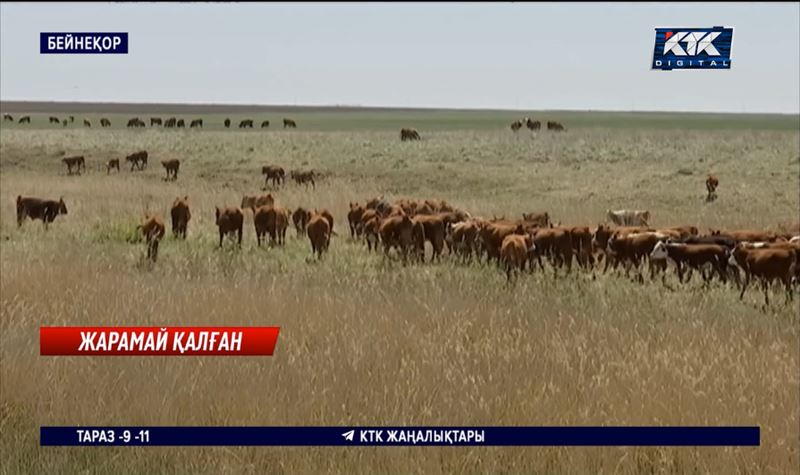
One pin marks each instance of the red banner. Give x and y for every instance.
(157, 341)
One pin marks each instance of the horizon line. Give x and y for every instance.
(368, 107)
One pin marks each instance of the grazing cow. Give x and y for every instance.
(556, 245)
(396, 231)
(555, 126)
(319, 233)
(533, 125)
(766, 264)
(78, 162)
(155, 121)
(625, 217)
(582, 245)
(695, 256)
(171, 167)
(227, 123)
(274, 173)
(64, 122)
(137, 160)
(354, 219)
(300, 218)
(289, 123)
(246, 123)
(229, 221)
(8, 118)
(181, 215)
(463, 238)
(86, 123)
(25, 120)
(136, 122)
(634, 248)
(409, 134)
(54, 120)
(329, 217)
(515, 250)
(169, 123)
(746, 235)
(712, 183)
(516, 125)
(37, 208)
(71, 119)
(491, 238)
(272, 220)
(153, 230)
(196, 123)
(304, 178)
(111, 164)
(541, 220)
(255, 202)
(265, 124)
(105, 122)
(180, 123)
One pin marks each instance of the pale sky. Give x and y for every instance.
(471, 55)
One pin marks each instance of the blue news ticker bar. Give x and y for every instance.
(360, 436)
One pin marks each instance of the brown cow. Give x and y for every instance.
(354, 219)
(370, 226)
(541, 220)
(409, 134)
(745, 235)
(515, 250)
(300, 218)
(712, 183)
(328, 216)
(181, 215)
(137, 160)
(491, 238)
(289, 123)
(433, 230)
(319, 233)
(78, 162)
(229, 221)
(274, 173)
(396, 231)
(304, 178)
(254, 202)
(532, 125)
(633, 248)
(767, 265)
(272, 220)
(111, 164)
(37, 208)
(695, 256)
(556, 244)
(171, 166)
(555, 126)
(153, 230)
(516, 125)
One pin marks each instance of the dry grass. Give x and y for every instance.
(369, 341)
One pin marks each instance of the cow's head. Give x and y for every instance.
(62, 207)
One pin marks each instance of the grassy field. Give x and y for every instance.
(367, 341)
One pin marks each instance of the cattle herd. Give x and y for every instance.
(402, 229)
(136, 122)
(535, 125)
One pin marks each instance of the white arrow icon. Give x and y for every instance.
(348, 436)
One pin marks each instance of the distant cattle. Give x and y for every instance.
(516, 125)
(274, 173)
(112, 164)
(78, 162)
(71, 118)
(64, 122)
(136, 122)
(555, 126)
(54, 120)
(319, 233)
(181, 215)
(153, 230)
(229, 221)
(409, 134)
(532, 125)
(712, 183)
(155, 121)
(265, 124)
(25, 120)
(196, 123)
(86, 123)
(180, 123)
(171, 167)
(37, 208)
(227, 123)
(169, 123)
(247, 123)
(629, 217)
(289, 123)
(304, 177)
(137, 160)
(105, 122)
(8, 118)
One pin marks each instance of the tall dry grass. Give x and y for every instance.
(365, 340)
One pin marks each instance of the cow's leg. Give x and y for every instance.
(240, 236)
(765, 286)
(744, 285)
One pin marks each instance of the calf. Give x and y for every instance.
(171, 167)
(78, 162)
(153, 230)
(112, 164)
(271, 220)
(354, 219)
